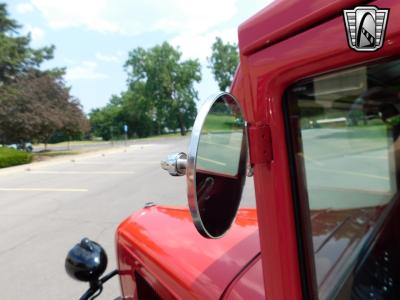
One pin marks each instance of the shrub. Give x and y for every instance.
(11, 157)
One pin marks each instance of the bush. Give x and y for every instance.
(11, 157)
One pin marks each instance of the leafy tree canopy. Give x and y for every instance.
(16, 56)
(160, 96)
(34, 107)
(167, 84)
(34, 103)
(223, 62)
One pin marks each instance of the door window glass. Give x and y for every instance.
(345, 128)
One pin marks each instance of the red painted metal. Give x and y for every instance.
(262, 153)
(268, 73)
(248, 284)
(286, 42)
(285, 18)
(163, 245)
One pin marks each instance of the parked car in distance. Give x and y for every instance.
(12, 146)
(28, 147)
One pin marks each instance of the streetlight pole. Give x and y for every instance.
(112, 137)
(126, 134)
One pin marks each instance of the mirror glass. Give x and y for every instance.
(221, 139)
(220, 166)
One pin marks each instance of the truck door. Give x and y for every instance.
(345, 128)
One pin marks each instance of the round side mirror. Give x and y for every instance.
(86, 261)
(216, 165)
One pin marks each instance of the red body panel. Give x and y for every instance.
(284, 18)
(268, 73)
(163, 245)
(248, 285)
(177, 257)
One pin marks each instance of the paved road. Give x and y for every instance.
(348, 167)
(85, 145)
(47, 208)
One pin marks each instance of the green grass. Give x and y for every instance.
(11, 157)
(165, 135)
(215, 122)
(220, 144)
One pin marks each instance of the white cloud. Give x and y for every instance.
(89, 63)
(198, 45)
(136, 17)
(24, 8)
(76, 13)
(196, 42)
(37, 34)
(195, 16)
(86, 70)
(69, 61)
(192, 25)
(108, 58)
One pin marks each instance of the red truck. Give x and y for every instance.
(313, 116)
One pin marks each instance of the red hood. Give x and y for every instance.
(164, 242)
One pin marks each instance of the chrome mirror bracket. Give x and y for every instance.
(175, 164)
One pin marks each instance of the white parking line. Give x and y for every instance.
(222, 145)
(84, 172)
(357, 174)
(372, 157)
(211, 161)
(42, 190)
(116, 162)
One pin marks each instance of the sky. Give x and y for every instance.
(93, 37)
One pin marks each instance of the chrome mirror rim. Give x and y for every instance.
(191, 160)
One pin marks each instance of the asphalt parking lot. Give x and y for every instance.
(47, 207)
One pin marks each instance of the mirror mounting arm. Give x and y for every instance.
(260, 146)
(175, 164)
(96, 286)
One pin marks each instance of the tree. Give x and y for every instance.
(16, 57)
(138, 111)
(164, 85)
(75, 122)
(223, 62)
(131, 108)
(106, 122)
(160, 95)
(35, 106)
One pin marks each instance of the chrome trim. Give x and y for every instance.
(175, 164)
(149, 204)
(192, 155)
